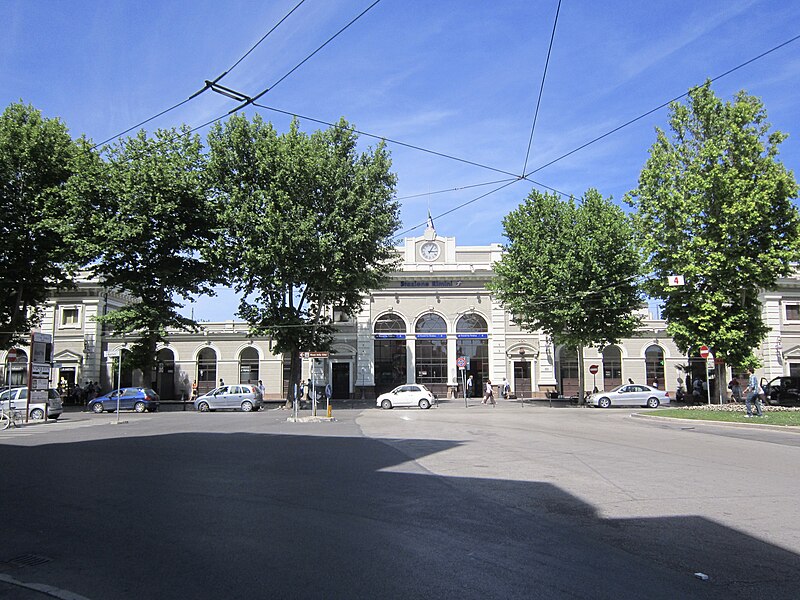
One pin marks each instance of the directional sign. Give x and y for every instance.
(593, 369)
(703, 351)
(314, 354)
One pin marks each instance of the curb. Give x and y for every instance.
(786, 428)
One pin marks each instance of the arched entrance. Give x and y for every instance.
(654, 366)
(165, 374)
(612, 368)
(206, 370)
(390, 353)
(473, 344)
(248, 366)
(568, 371)
(430, 349)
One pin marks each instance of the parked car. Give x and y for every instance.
(630, 395)
(130, 398)
(782, 391)
(233, 397)
(412, 394)
(17, 396)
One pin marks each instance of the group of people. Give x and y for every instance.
(753, 393)
(77, 395)
(488, 390)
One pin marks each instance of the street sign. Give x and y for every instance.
(703, 351)
(12, 355)
(461, 362)
(314, 354)
(675, 280)
(593, 369)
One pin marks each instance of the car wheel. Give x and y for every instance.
(604, 403)
(139, 407)
(247, 406)
(203, 407)
(98, 407)
(386, 404)
(652, 402)
(37, 414)
(424, 403)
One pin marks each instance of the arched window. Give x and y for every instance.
(248, 365)
(206, 370)
(430, 349)
(390, 353)
(471, 323)
(390, 323)
(612, 367)
(654, 364)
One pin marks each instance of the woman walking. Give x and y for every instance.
(488, 396)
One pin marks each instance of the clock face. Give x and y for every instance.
(429, 251)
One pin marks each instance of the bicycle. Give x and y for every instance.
(10, 417)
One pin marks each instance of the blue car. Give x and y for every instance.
(130, 398)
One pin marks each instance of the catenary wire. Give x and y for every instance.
(541, 87)
(302, 62)
(660, 106)
(455, 189)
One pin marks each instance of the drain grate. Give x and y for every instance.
(29, 560)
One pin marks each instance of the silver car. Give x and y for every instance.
(630, 394)
(231, 397)
(412, 394)
(36, 410)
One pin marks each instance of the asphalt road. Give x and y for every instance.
(503, 502)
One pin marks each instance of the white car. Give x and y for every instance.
(630, 394)
(411, 394)
(36, 410)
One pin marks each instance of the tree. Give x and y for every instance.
(41, 246)
(153, 229)
(714, 205)
(570, 270)
(307, 227)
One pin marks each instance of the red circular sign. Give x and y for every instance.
(703, 351)
(461, 362)
(593, 369)
(12, 355)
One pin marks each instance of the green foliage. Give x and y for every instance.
(41, 245)
(153, 224)
(714, 205)
(570, 269)
(307, 225)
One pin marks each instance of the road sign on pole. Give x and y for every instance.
(704, 351)
(12, 355)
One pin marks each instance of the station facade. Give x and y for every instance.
(435, 310)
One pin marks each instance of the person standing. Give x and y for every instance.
(753, 393)
(261, 389)
(736, 390)
(506, 387)
(489, 394)
(469, 386)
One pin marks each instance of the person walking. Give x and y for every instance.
(753, 393)
(489, 394)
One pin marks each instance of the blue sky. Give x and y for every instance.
(457, 77)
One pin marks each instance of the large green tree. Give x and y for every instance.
(308, 222)
(715, 205)
(41, 245)
(152, 228)
(570, 269)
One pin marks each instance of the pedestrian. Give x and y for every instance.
(489, 394)
(469, 386)
(736, 390)
(753, 393)
(630, 381)
(194, 390)
(506, 387)
(261, 388)
(221, 383)
(697, 389)
(655, 383)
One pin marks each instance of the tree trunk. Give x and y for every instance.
(581, 377)
(295, 373)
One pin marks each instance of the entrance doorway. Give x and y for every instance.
(165, 374)
(340, 380)
(522, 379)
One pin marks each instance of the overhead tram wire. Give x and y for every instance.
(455, 189)
(302, 62)
(660, 106)
(541, 87)
(179, 104)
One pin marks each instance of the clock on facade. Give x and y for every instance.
(429, 251)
